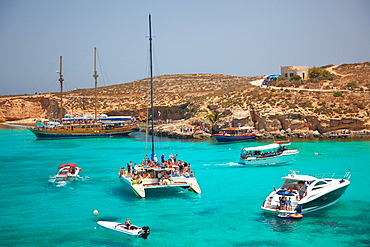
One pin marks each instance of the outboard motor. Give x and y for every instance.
(144, 233)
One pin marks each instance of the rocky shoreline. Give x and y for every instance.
(182, 130)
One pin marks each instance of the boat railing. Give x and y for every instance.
(347, 175)
(324, 175)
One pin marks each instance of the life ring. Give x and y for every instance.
(165, 182)
(296, 216)
(283, 215)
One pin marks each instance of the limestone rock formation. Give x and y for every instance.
(23, 107)
(211, 102)
(182, 130)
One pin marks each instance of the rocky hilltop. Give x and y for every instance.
(213, 101)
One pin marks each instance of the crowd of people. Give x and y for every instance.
(285, 202)
(259, 154)
(153, 168)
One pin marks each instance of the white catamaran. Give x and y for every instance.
(153, 173)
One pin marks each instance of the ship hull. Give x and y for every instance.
(225, 138)
(44, 134)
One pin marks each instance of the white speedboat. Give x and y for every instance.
(304, 193)
(68, 172)
(271, 154)
(121, 229)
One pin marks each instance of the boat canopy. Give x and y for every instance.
(262, 148)
(68, 164)
(238, 128)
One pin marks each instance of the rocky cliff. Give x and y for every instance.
(218, 101)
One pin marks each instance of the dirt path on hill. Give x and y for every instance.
(258, 83)
(332, 70)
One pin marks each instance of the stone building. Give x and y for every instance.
(289, 71)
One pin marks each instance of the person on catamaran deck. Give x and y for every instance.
(129, 167)
(121, 171)
(163, 158)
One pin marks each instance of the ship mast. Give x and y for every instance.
(96, 86)
(151, 82)
(61, 90)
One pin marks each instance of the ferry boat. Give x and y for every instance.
(234, 134)
(272, 154)
(68, 172)
(304, 193)
(84, 127)
(152, 174)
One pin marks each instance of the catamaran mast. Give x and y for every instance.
(96, 86)
(61, 90)
(151, 82)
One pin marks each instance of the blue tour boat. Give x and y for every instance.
(234, 134)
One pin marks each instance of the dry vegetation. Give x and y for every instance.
(203, 93)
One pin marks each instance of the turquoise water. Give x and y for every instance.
(36, 212)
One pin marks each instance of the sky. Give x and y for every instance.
(230, 37)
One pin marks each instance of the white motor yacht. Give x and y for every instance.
(304, 193)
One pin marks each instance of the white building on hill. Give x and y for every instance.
(289, 71)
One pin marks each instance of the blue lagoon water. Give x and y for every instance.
(36, 212)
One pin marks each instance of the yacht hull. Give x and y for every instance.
(323, 201)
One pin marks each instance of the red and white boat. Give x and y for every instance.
(68, 172)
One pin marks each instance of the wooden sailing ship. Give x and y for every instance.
(82, 128)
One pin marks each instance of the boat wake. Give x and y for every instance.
(60, 183)
(63, 183)
(229, 164)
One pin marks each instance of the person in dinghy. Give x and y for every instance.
(128, 224)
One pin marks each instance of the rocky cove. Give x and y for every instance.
(203, 104)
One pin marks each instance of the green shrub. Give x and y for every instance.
(319, 74)
(351, 84)
(296, 78)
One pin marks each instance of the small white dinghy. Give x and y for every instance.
(121, 229)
